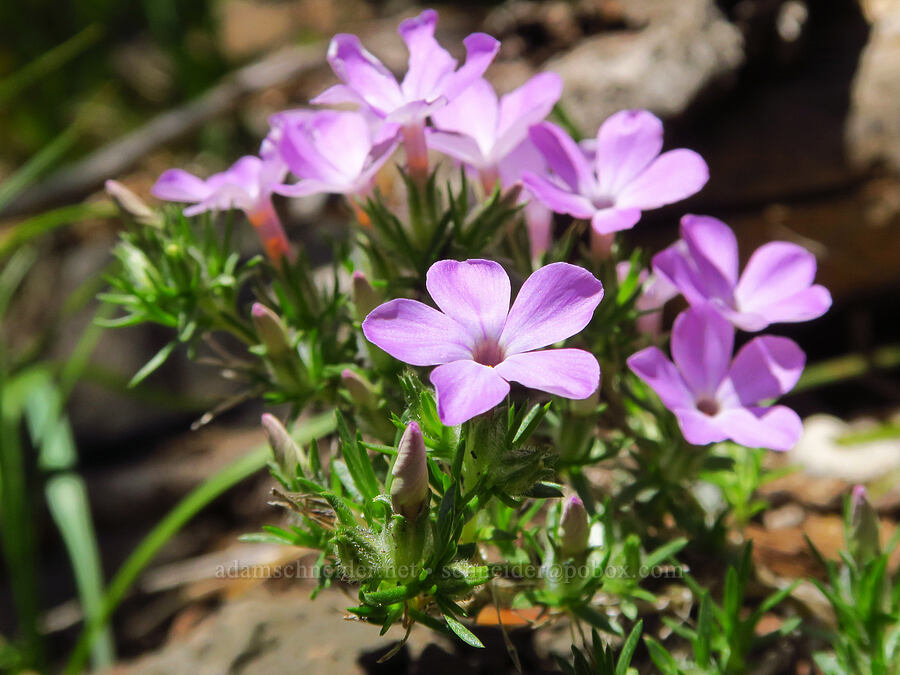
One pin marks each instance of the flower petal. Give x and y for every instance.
(671, 177)
(460, 147)
(699, 428)
(571, 373)
(175, 185)
(775, 428)
(555, 302)
(674, 266)
(764, 368)
(559, 199)
(652, 366)
(776, 271)
(702, 343)
(364, 73)
(713, 251)
(414, 333)
(626, 144)
(475, 293)
(466, 389)
(481, 49)
(523, 107)
(804, 306)
(607, 221)
(429, 63)
(563, 156)
(473, 113)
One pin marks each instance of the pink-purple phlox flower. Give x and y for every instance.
(432, 78)
(332, 151)
(776, 285)
(628, 174)
(654, 293)
(716, 398)
(480, 343)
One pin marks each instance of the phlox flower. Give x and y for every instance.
(480, 130)
(246, 185)
(716, 398)
(776, 284)
(332, 151)
(432, 79)
(480, 344)
(628, 174)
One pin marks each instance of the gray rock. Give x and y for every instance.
(873, 128)
(681, 48)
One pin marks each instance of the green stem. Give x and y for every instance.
(847, 367)
(177, 518)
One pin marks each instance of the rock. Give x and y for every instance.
(683, 47)
(268, 632)
(873, 127)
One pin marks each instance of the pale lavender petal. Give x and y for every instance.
(571, 373)
(563, 156)
(776, 271)
(714, 252)
(673, 265)
(364, 73)
(555, 302)
(473, 113)
(524, 107)
(175, 185)
(626, 144)
(306, 187)
(803, 306)
(765, 368)
(416, 334)
(702, 343)
(480, 52)
(607, 221)
(524, 157)
(661, 375)
(461, 148)
(475, 293)
(337, 94)
(671, 177)
(415, 112)
(699, 428)
(466, 389)
(557, 198)
(775, 428)
(429, 63)
(539, 221)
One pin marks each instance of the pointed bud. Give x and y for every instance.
(864, 541)
(270, 330)
(574, 527)
(409, 488)
(365, 297)
(131, 204)
(360, 389)
(285, 450)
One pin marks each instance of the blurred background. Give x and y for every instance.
(794, 104)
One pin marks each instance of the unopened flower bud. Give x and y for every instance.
(409, 488)
(365, 297)
(864, 527)
(574, 527)
(270, 330)
(285, 450)
(131, 204)
(360, 389)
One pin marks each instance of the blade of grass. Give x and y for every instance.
(46, 63)
(19, 233)
(49, 155)
(847, 367)
(183, 512)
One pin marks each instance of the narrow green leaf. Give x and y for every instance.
(462, 632)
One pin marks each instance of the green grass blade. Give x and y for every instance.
(14, 236)
(38, 164)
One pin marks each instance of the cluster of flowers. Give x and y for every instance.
(479, 342)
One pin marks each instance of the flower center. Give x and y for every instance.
(708, 406)
(487, 353)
